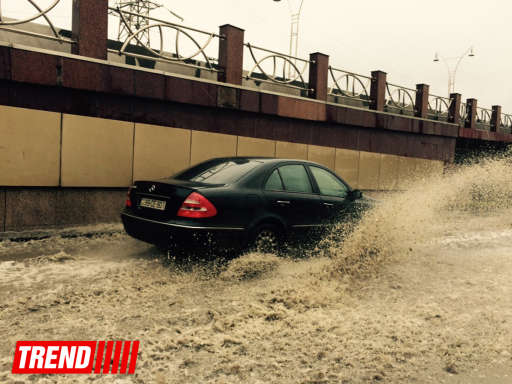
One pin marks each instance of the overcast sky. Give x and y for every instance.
(399, 37)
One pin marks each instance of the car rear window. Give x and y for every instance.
(214, 172)
(274, 182)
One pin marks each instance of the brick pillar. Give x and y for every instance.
(496, 118)
(454, 110)
(90, 28)
(231, 54)
(471, 105)
(378, 90)
(422, 91)
(318, 76)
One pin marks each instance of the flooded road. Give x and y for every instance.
(419, 292)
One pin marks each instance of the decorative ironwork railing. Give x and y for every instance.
(278, 68)
(506, 123)
(483, 118)
(400, 99)
(186, 46)
(348, 85)
(439, 107)
(39, 12)
(464, 115)
(166, 32)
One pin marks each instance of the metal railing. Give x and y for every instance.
(344, 87)
(464, 115)
(400, 99)
(506, 123)
(483, 118)
(439, 107)
(278, 68)
(348, 87)
(39, 12)
(166, 31)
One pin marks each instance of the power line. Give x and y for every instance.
(138, 18)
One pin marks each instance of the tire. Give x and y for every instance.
(266, 238)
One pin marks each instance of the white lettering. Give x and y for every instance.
(37, 354)
(67, 356)
(50, 356)
(82, 357)
(23, 359)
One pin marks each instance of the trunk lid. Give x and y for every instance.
(160, 200)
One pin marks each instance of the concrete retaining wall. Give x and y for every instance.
(49, 149)
(75, 132)
(62, 169)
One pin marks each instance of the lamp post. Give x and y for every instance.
(452, 69)
(294, 31)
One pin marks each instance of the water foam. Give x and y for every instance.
(439, 301)
(429, 209)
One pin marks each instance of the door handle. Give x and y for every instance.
(283, 202)
(329, 205)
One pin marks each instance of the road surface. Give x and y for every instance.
(421, 292)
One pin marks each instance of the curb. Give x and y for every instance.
(65, 233)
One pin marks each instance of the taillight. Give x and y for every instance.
(128, 202)
(197, 206)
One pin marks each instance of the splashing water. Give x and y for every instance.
(250, 266)
(427, 210)
(436, 306)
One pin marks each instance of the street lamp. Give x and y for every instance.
(452, 70)
(294, 30)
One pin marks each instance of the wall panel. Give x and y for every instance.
(160, 151)
(429, 168)
(406, 170)
(207, 145)
(96, 152)
(369, 170)
(389, 170)
(286, 150)
(29, 147)
(347, 166)
(248, 146)
(322, 155)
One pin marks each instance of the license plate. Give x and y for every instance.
(153, 204)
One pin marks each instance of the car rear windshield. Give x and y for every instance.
(219, 172)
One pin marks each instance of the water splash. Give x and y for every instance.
(250, 266)
(428, 209)
(439, 302)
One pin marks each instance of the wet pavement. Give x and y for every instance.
(420, 296)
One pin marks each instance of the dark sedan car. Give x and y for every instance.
(237, 202)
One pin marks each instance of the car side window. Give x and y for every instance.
(295, 178)
(274, 182)
(329, 184)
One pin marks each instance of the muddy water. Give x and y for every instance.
(420, 291)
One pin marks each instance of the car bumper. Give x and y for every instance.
(183, 235)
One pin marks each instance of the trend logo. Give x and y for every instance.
(78, 357)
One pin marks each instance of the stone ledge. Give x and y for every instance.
(18, 63)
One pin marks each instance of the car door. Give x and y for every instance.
(289, 194)
(334, 194)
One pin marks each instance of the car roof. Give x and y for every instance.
(270, 162)
(267, 160)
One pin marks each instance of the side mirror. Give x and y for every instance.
(356, 194)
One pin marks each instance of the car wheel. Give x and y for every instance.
(266, 238)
